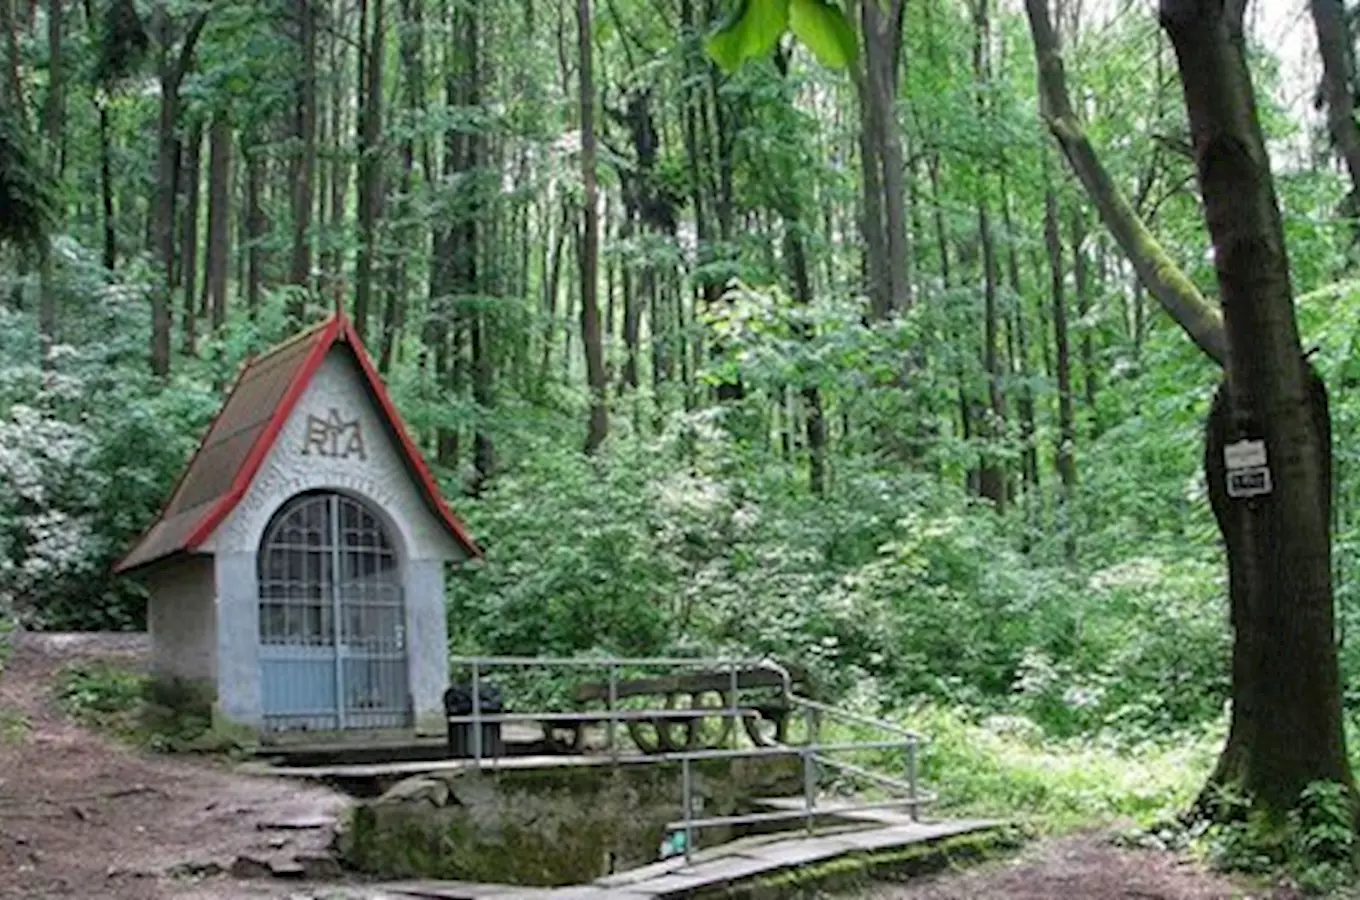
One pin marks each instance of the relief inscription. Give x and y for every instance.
(333, 437)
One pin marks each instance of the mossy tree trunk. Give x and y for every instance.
(1286, 727)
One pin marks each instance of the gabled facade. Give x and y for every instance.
(297, 570)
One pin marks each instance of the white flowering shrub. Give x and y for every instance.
(89, 447)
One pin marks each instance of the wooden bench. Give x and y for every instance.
(764, 717)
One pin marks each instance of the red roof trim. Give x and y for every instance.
(413, 456)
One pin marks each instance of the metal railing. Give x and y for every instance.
(813, 755)
(614, 716)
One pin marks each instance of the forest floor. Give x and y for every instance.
(83, 816)
(86, 817)
(1081, 866)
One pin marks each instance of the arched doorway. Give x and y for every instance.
(332, 618)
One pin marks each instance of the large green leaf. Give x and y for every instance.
(750, 32)
(823, 28)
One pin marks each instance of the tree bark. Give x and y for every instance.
(1155, 268)
(303, 169)
(1025, 400)
(1067, 437)
(1338, 74)
(1286, 729)
(256, 228)
(172, 69)
(54, 106)
(1081, 282)
(596, 378)
(100, 100)
(370, 164)
(219, 229)
(190, 171)
(884, 169)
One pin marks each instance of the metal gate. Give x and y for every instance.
(332, 619)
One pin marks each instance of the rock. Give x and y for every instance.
(246, 866)
(278, 843)
(195, 869)
(414, 790)
(286, 868)
(298, 823)
(319, 866)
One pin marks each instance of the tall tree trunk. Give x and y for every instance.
(1335, 45)
(190, 174)
(100, 100)
(1081, 282)
(54, 106)
(219, 228)
(172, 69)
(1025, 400)
(303, 168)
(110, 258)
(992, 475)
(884, 186)
(795, 255)
(370, 162)
(339, 165)
(591, 337)
(1286, 728)
(1067, 467)
(470, 241)
(255, 227)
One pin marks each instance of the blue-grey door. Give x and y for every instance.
(332, 619)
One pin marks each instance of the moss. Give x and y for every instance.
(854, 870)
(545, 826)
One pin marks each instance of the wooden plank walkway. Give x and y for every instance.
(711, 868)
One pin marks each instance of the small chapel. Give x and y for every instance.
(297, 571)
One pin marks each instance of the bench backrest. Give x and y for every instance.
(693, 683)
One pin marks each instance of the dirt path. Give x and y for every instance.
(83, 817)
(1083, 866)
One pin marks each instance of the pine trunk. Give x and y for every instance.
(591, 337)
(219, 225)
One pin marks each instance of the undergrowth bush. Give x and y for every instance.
(140, 709)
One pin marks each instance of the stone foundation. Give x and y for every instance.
(547, 826)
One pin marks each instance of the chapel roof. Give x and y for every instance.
(241, 435)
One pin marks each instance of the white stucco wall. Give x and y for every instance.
(381, 479)
(181, 619)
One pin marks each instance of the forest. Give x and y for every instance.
(849, 345)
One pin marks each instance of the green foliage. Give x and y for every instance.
(100, 694)
(1315, 846)
(1006, 766)
(90, 447)
(123, 42)
(25, 188)
(753, 28)
(159, 715)
(823, 29)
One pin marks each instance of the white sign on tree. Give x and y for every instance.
(1248, 474)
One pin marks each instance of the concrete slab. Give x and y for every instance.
(730, 869)
(595, 892)
(802, 851)
(713, 867)
(641, 873)
(464, 890)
